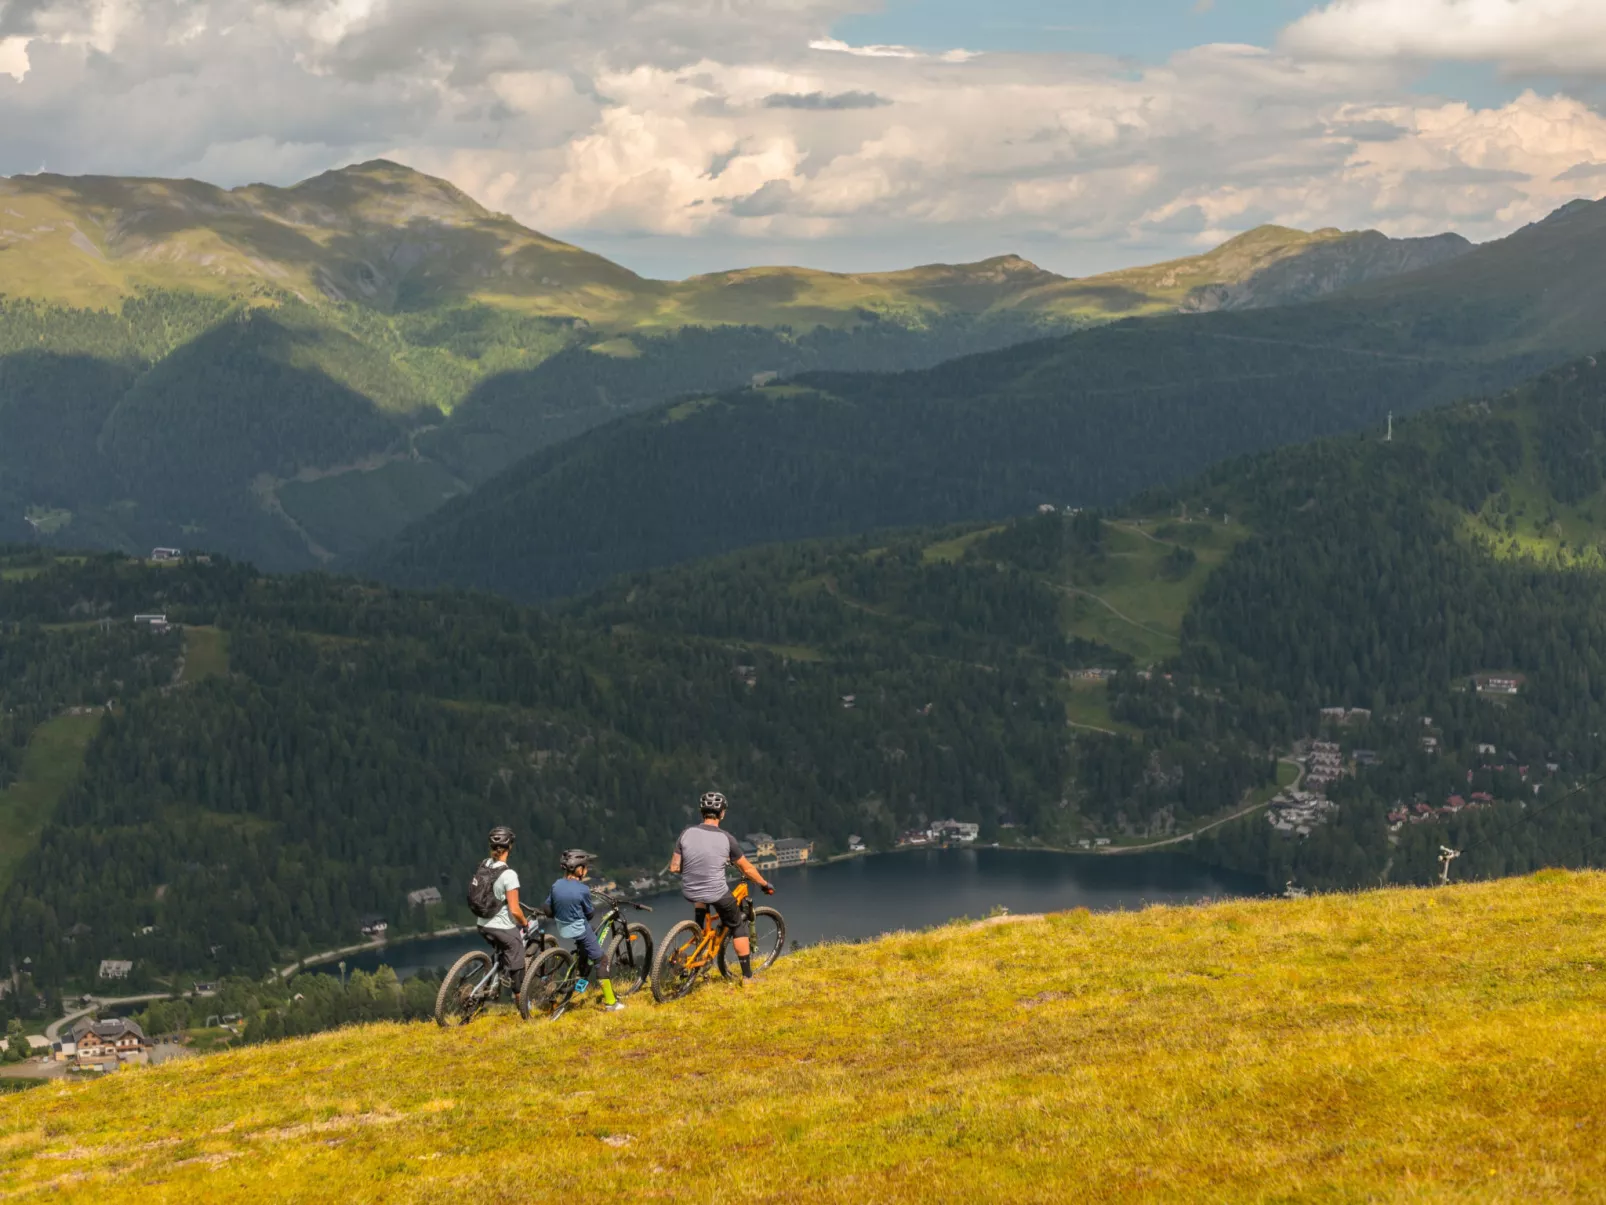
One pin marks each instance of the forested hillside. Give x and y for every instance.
(293, 375)
(1083, 420)
(359, 741)
(1399, 577)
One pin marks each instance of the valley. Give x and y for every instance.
(296, 375)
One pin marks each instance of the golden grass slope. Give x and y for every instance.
(1404, 1045)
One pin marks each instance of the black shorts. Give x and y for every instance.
(509, 947)
(729, 912)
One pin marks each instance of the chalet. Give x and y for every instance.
(855, 843)
(1486, 749)
(374, 926)
(760, 848)
(1494, 685)
(155, 622)
(1101, 842)
(166, 554)
(955, 830)
(793, 851)
(1430, 744)
(848, 701)
(115, 968)
(112, 1041)
(424, 897)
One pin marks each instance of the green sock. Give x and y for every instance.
(607, 992)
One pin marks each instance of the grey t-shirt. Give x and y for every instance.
(704, 852)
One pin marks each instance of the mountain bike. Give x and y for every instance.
(689, 949)
(475, 981)
(549, 981)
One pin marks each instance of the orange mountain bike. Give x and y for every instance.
(689, 949)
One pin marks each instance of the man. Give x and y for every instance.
(504, 929)
(701, 855)
(570, 904)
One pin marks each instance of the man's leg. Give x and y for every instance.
(730, 912)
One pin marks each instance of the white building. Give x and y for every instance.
(115, 968)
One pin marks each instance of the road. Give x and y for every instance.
(96, 1003)
(1189, 836)
(378, 943)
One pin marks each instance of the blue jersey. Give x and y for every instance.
(570, 904)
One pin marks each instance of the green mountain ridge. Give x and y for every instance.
(295, 374)
(1086, 419)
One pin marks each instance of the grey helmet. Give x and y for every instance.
(712, 803)
(501, 837)
(573, 859)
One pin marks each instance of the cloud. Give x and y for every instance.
(1563, 37)
(1583, 171)
(722, 125)
(820, 101)
(14, 58)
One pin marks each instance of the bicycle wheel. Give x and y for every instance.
(767, 937)
(672, 971)
(457, 1003)
(631, 956)
(548, 982)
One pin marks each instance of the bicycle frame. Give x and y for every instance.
(714, 933)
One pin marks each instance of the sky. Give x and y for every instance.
(682, 136)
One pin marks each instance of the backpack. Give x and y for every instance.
(482, 901)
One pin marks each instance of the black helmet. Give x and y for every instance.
(712, 803)
(573, 859)
(501, 837)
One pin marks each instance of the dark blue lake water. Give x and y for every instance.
(881, 893)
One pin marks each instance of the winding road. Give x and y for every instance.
(1192, 833)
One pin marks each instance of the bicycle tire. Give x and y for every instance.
(767, 939)
(454, 1003)
(630, 956)
(670, 978)
(543, 980)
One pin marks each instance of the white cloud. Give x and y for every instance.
(1564, 37)
(659, 120)
(14, 58)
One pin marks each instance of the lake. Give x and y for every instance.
(880, 893)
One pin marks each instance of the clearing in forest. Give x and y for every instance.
(53, 758)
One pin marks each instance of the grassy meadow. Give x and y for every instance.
(1130, 601)
(1404, 1045)
(53, 758)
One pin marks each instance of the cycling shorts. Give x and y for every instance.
(729, 913)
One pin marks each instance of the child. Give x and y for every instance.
(570, 905)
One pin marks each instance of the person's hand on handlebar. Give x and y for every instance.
(767, 888)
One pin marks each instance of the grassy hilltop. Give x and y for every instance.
(1391, 1046)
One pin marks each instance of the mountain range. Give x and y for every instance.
(295, 374)
(1086, 419)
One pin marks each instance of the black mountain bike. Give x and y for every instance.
(549, 980)
(474, 983)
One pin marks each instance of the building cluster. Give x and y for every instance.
(770, 853)
(1299, 811)
(1421, 813)
(1091, 675)
(1324, 763)
(941, 832)
(1347, 715)
(104, 1045)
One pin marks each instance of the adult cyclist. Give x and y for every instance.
(700, 858)
(506, 928)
